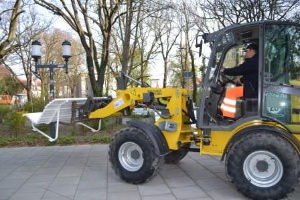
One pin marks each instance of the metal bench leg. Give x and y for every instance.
(44, 134)
(92, 129)
(52, 133)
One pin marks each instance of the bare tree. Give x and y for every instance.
(147, 44)
(80, 16)
(138, 47)
(137, 34)
(241, 11)
(144, 47)
(167, 31)
(129, 6)
(28, 26)
(189, 27)
(9, 21)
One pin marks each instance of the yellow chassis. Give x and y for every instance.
(181, 132)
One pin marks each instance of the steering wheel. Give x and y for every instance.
(223, 79)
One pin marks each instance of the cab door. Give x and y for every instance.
(281, 80)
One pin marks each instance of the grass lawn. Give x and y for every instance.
(68, 134)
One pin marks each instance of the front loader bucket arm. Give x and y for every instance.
(122, 101)
(130, 98)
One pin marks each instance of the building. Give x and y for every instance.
(4, 72)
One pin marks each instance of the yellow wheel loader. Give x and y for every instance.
(260, 146)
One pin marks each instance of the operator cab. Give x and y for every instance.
(279, 74)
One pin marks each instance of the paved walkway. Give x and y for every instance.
(83, 173)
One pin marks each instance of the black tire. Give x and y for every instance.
(175, 156)
(133, 157)
(263, 165)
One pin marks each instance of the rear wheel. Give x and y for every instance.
(133, 157)
(263, 165)
(175, 156)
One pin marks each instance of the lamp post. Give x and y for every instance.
(36, 55)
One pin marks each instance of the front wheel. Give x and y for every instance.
(133, 157)
(263, 165)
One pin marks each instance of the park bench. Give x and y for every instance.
(61, 111)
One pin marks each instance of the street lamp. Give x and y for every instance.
(66, 52)
(36, 55)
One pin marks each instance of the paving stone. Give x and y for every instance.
(172, 172)
(200, 174)
(26, 168)
(160, 197)
(33, 188)
(69, 180)
(191, 166)
(36, 185)
(228, 193)
(181, 181)
(124, 196)
(11, 183)
(95, 167)
(115, 187)
(153, 189)
(92, 184)
(94, 175)
(213, 183)
(91, 194)
(189, 192)
(222, 175)
(61, 190)
(84, 172)
(42, 177)
(209, 162)
(6, 193)
(28, 196)
(216, 168)
(71, 171)
(19, 175)
(56, 198)
(48, 170)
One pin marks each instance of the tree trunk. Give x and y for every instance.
(126, 44)
(165, 73)
(90, 66)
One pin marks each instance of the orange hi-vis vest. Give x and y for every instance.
(228, 106)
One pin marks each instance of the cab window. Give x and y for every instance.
(282, 63)
(281, 95)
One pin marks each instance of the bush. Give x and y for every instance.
(36, 105)
(15, 122)
(4, 109)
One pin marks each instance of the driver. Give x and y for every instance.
(249, 70)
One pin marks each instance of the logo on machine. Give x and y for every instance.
(119, 102)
